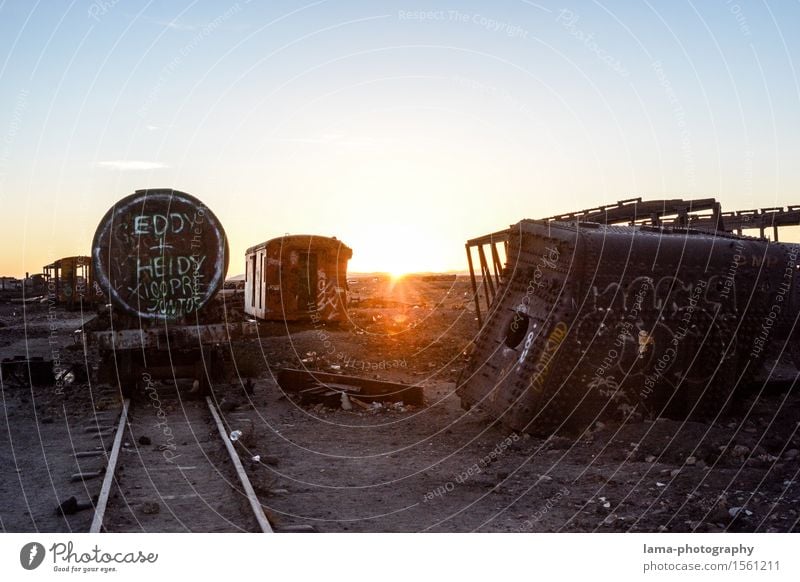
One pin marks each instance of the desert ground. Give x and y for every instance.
(396, 467)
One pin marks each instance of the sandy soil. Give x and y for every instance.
(439, 467)
(42, 427)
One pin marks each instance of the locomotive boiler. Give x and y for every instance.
(160, 257)
(626, 312)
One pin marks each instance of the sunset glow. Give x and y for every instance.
(402, 136)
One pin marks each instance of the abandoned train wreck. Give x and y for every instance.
(656, 308)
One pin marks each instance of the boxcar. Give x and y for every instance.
(297, 277)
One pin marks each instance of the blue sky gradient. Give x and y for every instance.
(403, 128)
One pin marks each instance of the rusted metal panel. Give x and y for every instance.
(160, 254)
(33, 371)
(596, 320)
(297, 277)
(635, 209)
(317, 385)
(174, 336)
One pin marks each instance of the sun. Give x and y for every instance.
(394, 251)
(400, 266)
(398, 275)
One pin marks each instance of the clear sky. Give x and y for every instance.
(403, 128)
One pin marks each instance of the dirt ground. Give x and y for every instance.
(43, 426)
(435, 467)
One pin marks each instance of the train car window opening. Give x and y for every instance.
(517, 329)
(253, 280)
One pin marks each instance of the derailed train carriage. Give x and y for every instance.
(671, 314)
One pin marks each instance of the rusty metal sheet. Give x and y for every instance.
(160, 254)
(298, 381)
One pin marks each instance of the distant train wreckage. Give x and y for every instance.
(69, 282)
(160, 256)
(642, 308)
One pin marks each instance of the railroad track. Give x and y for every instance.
(175, 470)
(172, 466)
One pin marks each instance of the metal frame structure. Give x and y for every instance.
(490, 278)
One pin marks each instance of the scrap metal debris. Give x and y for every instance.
(334, 390)
(35, 371)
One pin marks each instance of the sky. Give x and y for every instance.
(402, 128)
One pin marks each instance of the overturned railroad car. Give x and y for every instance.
(297, 277)
(592, 320)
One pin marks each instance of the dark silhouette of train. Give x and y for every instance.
(160, 256)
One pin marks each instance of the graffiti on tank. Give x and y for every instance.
(631, 326)
(168, 283)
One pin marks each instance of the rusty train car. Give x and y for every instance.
(160, 256)
(626, 312)
(297, 277)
